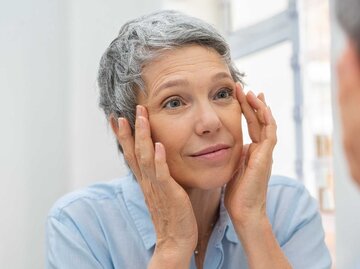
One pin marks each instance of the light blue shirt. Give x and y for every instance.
(108, 226)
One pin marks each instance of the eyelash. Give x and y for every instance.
(228, 91)
(167, 102)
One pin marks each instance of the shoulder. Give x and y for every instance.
(296, 223)
(91, 224)
(281, 188)
(290, 207)
(94, 196)
(287, 193)
(277, 181)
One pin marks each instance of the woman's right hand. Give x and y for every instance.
(169, 205)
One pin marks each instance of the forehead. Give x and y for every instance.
(190, 60)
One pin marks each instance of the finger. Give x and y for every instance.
(144, 147)
(259, 162)
(161, 167)
(268, 124)
(242, 164)
(265, 117)
(236, 178)
(127, 143)
(270, 128)
(261, 96)
(250, 115)
(257, 105)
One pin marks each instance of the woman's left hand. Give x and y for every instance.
(245, 195)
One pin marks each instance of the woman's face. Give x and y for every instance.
(194, 113)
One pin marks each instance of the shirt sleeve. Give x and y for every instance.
(66, 248)
(299, 229)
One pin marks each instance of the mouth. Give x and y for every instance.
(211, 151)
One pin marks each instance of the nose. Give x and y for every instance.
(207, 120)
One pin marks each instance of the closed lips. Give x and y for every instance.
(209, 150)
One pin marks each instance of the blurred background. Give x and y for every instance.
(54, 138)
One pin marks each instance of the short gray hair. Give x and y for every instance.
(142, 40)
(348, 15)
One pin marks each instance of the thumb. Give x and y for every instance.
(161, 167)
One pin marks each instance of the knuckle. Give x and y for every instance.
(161, 178)
(145, 161)
(272, 140)
(124, 138)
(122, 135)
(129, 157)
(142, 156)
(138, 151)
(132, 163)
(147, 194)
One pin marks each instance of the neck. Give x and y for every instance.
(205, 204)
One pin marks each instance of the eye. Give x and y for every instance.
(223, 93)
(173, 103)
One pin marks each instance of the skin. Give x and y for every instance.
(201, 107)
(349, 100)
(206, 114)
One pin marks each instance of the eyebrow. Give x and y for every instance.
(221, 75)
(184, 82)
(171, 83)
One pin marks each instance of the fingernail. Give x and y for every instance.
(159, 153)
(157, 147)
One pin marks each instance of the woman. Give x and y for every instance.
(348, 77)
(349, 84)
(195, 197)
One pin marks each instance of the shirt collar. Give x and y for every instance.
(225, 222)
(135, 203)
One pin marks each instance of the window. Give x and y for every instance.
(269, 71)
(246, 13)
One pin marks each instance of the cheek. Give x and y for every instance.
(167, 132)
(232, 121)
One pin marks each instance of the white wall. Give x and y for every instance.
(33, 144)
(53, 138)
(207, 10)
(94, 154)
(347, 195)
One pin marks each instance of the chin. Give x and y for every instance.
(212, 180)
